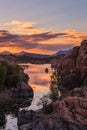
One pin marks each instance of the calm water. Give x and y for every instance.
(40, 82)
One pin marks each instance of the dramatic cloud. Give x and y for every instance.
(17, 26)
(72, 37)
(21, 36)
(25, 41)
(3, 33)
(11, 40)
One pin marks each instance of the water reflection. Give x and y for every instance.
(38, 76)
(39, 81)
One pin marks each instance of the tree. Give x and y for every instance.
(10, 75)
(3, 74)
(54, 86)
(45, 101)
(15, 75)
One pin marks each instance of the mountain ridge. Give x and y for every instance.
(24, 53)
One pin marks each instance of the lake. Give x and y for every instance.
(40, 82)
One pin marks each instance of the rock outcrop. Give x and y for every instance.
(73, 68)
(77, 58)
(25, 117)
(21, 91)
(73, 110)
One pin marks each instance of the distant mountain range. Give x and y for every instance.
(34, 55)
(5, 53)
(63, 52)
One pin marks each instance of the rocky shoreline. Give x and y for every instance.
(69, 113)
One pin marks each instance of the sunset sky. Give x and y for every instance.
(42, 26)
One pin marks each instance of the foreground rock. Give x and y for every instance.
(73, 110)
(25, 116)
(21, 91)
(69, 113)
(73, 68)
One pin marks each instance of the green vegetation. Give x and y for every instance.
(3, 73)
(10, 75)
(46, 104)
(54, 86)
(63, 83)
(46, 100)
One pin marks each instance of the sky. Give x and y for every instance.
(42, 26)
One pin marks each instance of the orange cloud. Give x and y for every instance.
(17, 26)
(24, 36)
(71, 37)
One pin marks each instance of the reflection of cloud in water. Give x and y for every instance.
(38, 76)
(42, 82)
(39, 81)
(40, 88)
(33, 69)
(38, 69)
